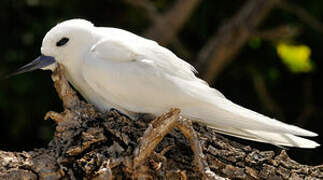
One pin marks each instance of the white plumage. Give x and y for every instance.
(113, 68)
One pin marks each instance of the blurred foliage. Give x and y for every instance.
(25, 99)
(296, 57)
(254, 42)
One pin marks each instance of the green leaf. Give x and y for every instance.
(295, 57)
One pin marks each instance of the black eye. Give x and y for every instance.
(61, 42)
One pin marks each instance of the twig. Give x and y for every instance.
(156, 132)
(302, 14)
(104, 172)
(167, 26)
(155, 17)
(57, 117)
(223, 45)
(278, 33)
(153, 135)
(147, 6)
(264, 96)
(185, 126)
(64, 91)
(309, 108)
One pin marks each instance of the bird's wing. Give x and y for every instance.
(123, 50)
(127, 47)
(117, 40)
(113, 50)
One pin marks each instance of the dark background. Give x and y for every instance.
(256, 77)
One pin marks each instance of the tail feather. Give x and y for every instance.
(288, 140)
(219, 111)
(213, 109)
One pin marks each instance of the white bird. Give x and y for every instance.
(114, 68)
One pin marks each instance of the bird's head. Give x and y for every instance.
(66, 42)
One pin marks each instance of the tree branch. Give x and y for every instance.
(147, 6)
(228, 40)
(279, 33)
(159, 21)
(264, 96)
(302, 14)
(166, 27)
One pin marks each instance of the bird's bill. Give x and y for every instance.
(40, 62)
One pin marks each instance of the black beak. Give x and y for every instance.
(40, 62)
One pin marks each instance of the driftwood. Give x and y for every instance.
(93, 145)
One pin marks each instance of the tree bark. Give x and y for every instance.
(91, 145)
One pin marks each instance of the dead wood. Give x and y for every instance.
(93, 145)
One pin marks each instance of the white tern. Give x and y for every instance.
(114, 68)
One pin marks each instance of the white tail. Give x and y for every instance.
(269, 137)
(231, 119)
